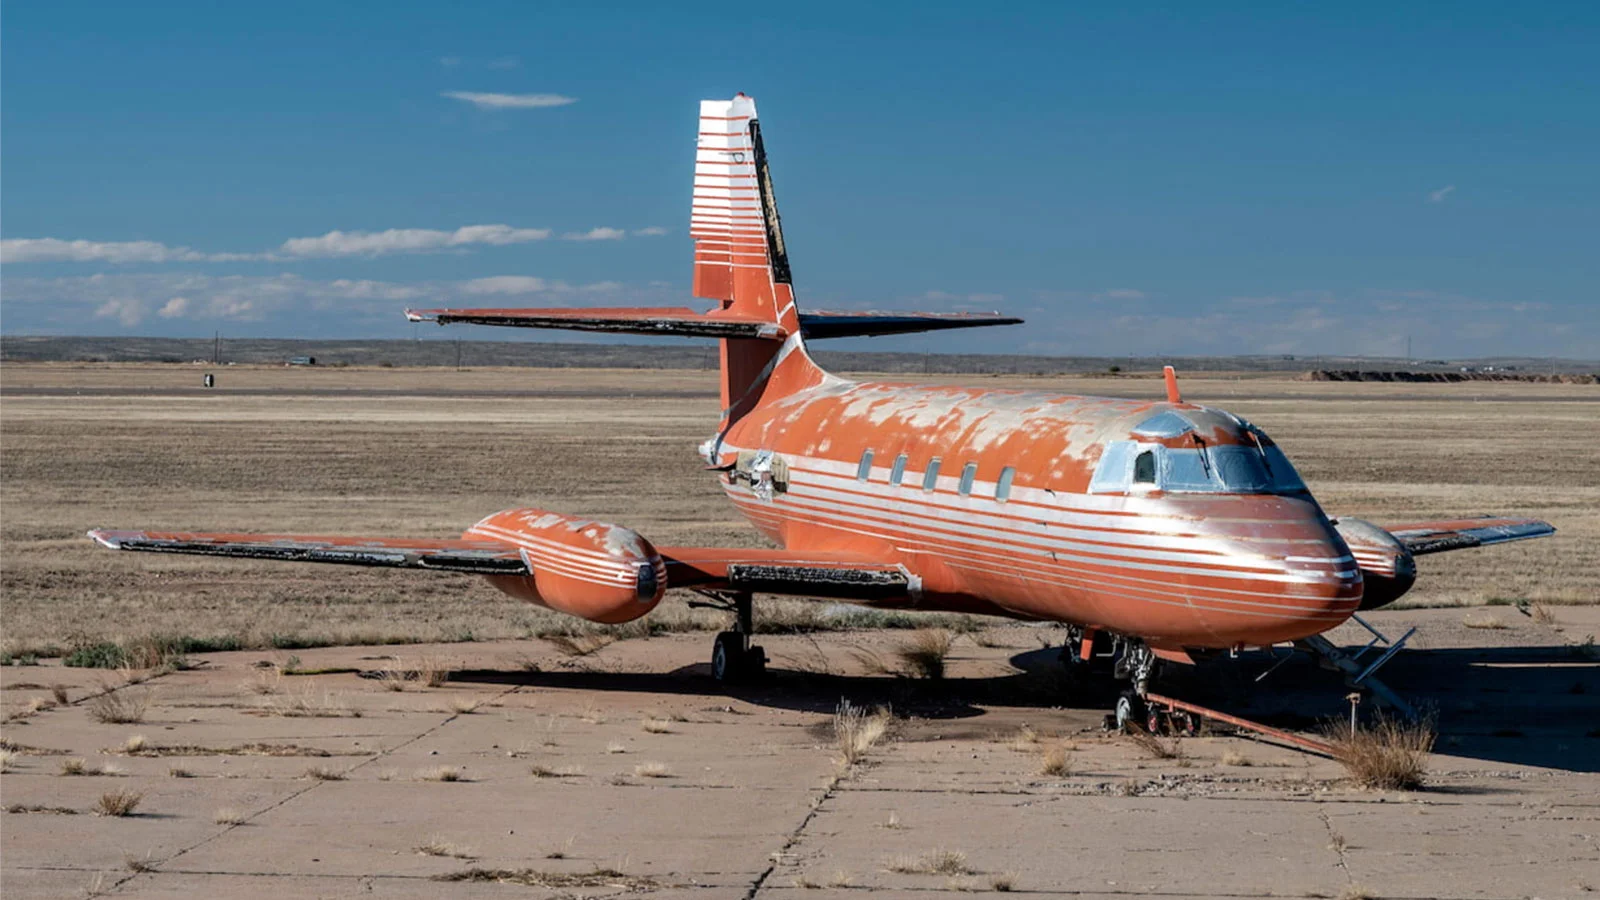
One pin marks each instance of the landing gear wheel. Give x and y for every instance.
(733, 661)
(1189, 725)
(1130, 710)
(1152, 720)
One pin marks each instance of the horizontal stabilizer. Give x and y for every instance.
(474, 557)
(829, 324)
(1459, 534)
(675, 320)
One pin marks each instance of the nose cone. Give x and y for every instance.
(1283, 572)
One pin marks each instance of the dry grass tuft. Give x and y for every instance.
(441, 773)
(580, 645)
(120, 707)
(539, 771)
(1387, 755)
(179, 772)
(937, 862)
(464, 706)
(1542, 614)
(227, 815)
(78, 766)
(433, 672)
(117, 803)
(1235, 758)
(1056, 762)
(1003, 883)
(616, 747)
(438, 847)
(6, 757)
(144, 863)
(40, 704)
(653, 770)
(59, 692)
(135, 744)
(1026, 740)
(308, 703)
(607, 878)
(323, 773)
(1155, 747)
(893, 822)
(856, 731)
(922, 655)
(656, 726)
(1357, 892)
(1491, 623)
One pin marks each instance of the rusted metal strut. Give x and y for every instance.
(1303, 743)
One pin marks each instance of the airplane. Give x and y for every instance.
(1157, 531)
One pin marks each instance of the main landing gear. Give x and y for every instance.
(733, 657)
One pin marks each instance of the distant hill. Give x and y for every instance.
(686, 356)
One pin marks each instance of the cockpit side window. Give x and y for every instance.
(1144, 468)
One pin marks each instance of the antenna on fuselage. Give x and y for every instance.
(1171, 376)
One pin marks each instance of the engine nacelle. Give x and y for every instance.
(1387, 568)
(592, 570)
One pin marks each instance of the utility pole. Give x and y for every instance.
(216, 348)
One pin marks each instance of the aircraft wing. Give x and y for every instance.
(1458, 534)
(676, 320)
(840, 576)
(478, 557)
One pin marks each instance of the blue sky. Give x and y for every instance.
(1192, 178)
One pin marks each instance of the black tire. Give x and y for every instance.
(1130, 710)
(728, 657)
(755, 663)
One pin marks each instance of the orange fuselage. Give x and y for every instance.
(1015, 520)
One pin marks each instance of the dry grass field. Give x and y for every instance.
(428, 451)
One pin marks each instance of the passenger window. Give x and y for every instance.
(864, 471)
(898, 472)
(1144, 468)
(969, 474)
(1002, 488)
(930, 478)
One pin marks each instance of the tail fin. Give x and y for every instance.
(741, 261)
(740, 258)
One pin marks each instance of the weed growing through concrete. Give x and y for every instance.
(59, 692)
(856, 731)
(120, 706)
(1003, 883)
(441, 773)
(1235, 758)
(937, 862)
(118, 803)
(1389, 754)
(580, 645)
(1490, 623)
(923, 653)
(1055, 762)
(1155, 747)
(322, 773)
(656, 726)
(437, 846)
(227, 815)
(653, 770)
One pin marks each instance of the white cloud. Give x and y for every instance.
(176, 308)
(126, 310)
(651, 231)
(505, 284)
(1441, 194)
(407, 240)
(595, 234)
(15, 250)
(509, 101)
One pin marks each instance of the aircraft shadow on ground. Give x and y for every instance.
(1537, 706)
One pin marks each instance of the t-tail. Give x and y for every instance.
(742, 263)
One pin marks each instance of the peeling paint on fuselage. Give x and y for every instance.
(1189, 570)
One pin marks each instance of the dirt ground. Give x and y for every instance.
(531, 771)
(427, 452)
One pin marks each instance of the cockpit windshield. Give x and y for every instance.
(1257, 467)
